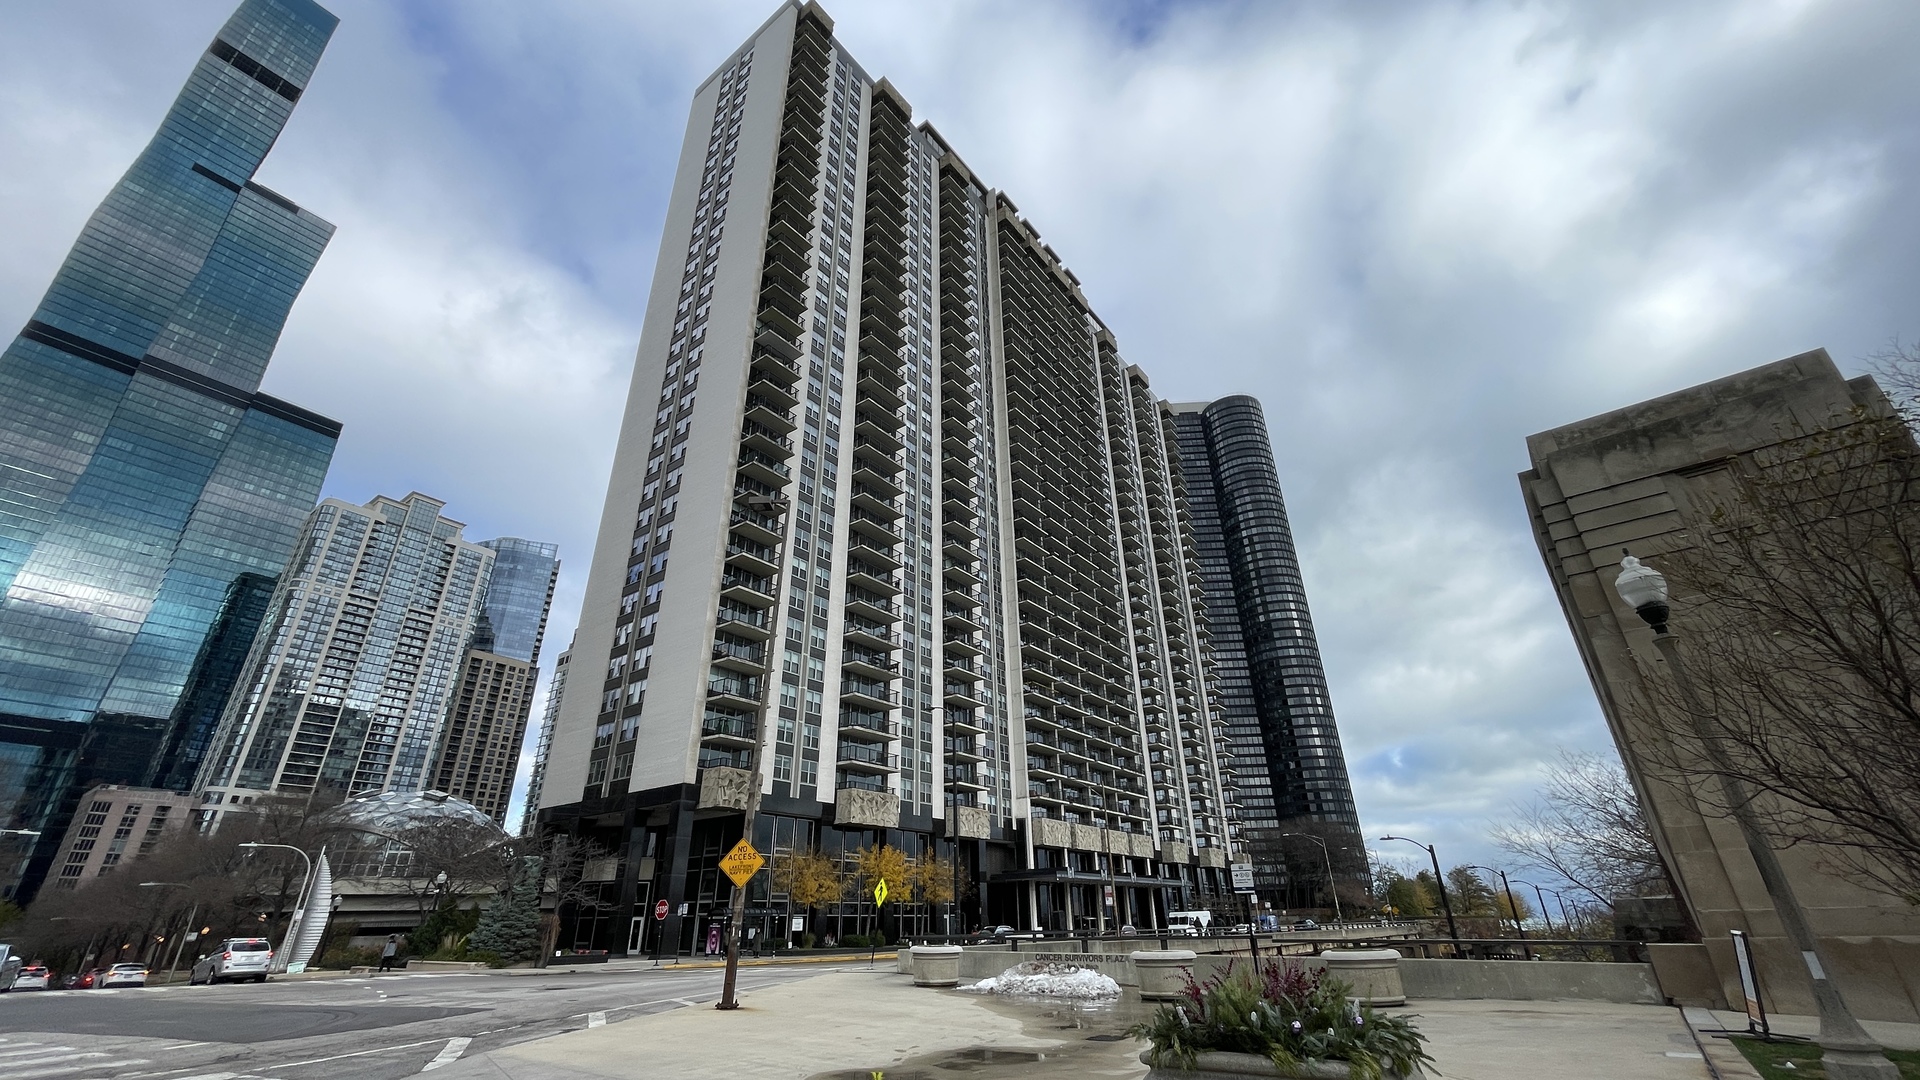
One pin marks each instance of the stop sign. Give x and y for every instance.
(660, 910)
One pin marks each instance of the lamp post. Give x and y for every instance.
(191, 915)
(299, 904)
(1849, 1053)
(1440, 880)
(1511, 906)
(1337, 917)
(1546, 918)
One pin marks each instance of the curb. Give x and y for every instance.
(1724, 1060)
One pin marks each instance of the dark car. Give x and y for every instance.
(1306, 924)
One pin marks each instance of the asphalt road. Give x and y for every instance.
(373, 1028)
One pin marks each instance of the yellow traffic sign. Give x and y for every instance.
(880, 892)
(742, 863)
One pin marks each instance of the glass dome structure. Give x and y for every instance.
(391, 812)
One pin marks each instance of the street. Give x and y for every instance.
(379, 1027)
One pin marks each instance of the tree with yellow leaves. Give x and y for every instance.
(809, 878)
(882, 863)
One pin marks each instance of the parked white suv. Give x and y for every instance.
(236, 959)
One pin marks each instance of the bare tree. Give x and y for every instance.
(1587, 828)
(1800, 607)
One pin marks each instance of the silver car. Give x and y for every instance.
(235, 959)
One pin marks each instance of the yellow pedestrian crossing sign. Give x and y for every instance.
(880, 892)
(742, 863)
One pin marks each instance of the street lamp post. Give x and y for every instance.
(1849, 1053)
(1440, 880)
(299, 904)
(191, 915)
(1511, 906)
(1337, 917)
(1548, 919)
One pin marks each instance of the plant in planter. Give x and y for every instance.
(1281, 1020)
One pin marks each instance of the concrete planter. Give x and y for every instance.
(1162, 972)
(1241, 1066)
(903, 960)
(936, 965)
(1374, 974)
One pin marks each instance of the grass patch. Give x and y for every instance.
(1771, 1060)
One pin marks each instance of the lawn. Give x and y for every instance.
(1801, 1061)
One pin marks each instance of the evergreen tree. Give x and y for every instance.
(510, 929)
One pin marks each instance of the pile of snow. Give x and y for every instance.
(1049, 979)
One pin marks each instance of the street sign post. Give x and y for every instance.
(879, 898)
(1243, 877)
(739, 865)
(742, 863)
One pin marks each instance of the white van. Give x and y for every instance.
(1189, 923)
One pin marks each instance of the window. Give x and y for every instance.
(809, 772)
(783, 768)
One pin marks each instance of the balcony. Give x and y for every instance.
(755, 558)
(872, 578)
(963, 748)
(963, 778)
(963, 721)
(871, 635)
(744, 622)
(866, 757)
(964, 645)
(752, 525)
(871, 608)
(963, 694)
(873, 665)
(860, 782)
(734, 690)
(764, 468)
(769, 414)
(728, 730)
(740, 656)
(875, 695)
(750, 589)
(866, 725)
(874, 527)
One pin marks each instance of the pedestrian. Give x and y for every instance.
(390, 952)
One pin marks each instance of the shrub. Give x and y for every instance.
(854, 941)
(1285, 1014)
(341, 957)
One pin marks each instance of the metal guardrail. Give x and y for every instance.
(1312, 942)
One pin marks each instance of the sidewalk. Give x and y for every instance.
(852, 1023)
(840, 1020)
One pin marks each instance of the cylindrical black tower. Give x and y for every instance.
(1292, 777)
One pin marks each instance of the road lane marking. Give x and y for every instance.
(355, 1054)
(454, 1048)
(33, 1048)
(34, 1074)
(596, 1019)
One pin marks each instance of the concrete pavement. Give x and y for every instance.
(848, 1025)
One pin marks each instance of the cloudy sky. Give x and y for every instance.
(1417, 233)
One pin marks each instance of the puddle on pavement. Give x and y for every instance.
(1085, 1033)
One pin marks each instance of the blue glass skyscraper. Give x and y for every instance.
(142, 473)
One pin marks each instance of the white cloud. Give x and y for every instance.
(1418, 234)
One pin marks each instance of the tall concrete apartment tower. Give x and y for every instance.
(888, 507)
(347, 689)
(1299, 825)
(480, 749)
(143, 476)
(543, 743)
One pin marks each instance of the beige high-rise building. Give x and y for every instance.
(346, 690)
(889, 507)
(1646, 478)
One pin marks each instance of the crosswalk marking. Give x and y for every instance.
(596, 1019)
(454, 1048)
